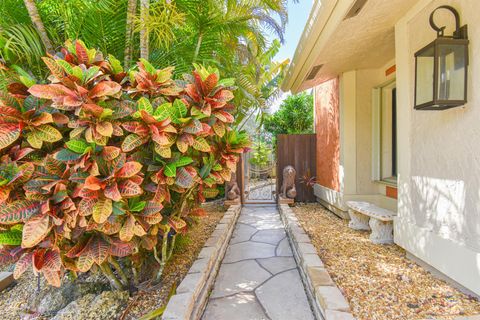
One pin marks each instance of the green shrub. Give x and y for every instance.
(103, 164)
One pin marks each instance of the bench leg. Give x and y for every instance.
(382, 231)
(358, 221)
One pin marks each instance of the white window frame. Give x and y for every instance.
(381, 95)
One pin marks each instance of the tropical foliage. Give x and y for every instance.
(104, 166)
(259, 154)
(295, 115)
(227, 34)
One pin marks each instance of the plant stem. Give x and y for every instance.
(135, 276)
(197, 48)
(123, 276)
(114, 282)
(163, 260)
(172, 246)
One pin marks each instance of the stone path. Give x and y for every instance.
(258, 278)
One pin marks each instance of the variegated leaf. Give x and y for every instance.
(131, 142)
(18, 211)
(127, 232)
(84, 262)
(129, 189)
(102, 210)
(53, 277)
(129, 169)
(98, 250)
(201, 144)
(35, 230)
(9, 133)
(48, 133)
(22, 265)
(164, 152)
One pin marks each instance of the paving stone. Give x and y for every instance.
(237, 277)
(221, 226)
(283, 297)
(311, 260)
(243, 273)
(207, 252)
(238, 307)
(6, 278)
(242, 233)
(283, 249)
(306, 248)
(219, 233)
(295, 228)
(331, 298)
(278, 264)
(179, 307)
(269, 236)
(200, 265)
(301, 237)
(338, 315)
(193, 282)
(214, 242)
(319, 277)
(261, 223)
(248, 250)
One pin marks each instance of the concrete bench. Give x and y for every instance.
(367, 216)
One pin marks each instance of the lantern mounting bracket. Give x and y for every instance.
(459, 33)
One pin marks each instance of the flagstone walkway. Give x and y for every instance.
(258, 278)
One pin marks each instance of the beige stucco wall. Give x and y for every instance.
(367, 79)
(439, 181)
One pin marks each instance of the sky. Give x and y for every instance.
(297, 18)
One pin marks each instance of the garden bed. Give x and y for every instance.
(16, 300)
(379, 281)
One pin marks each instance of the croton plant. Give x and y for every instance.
(101, 167)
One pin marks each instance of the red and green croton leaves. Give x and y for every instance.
(101, 162)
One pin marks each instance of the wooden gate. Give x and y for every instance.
(299, 151)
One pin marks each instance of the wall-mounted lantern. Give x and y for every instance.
(441, 68)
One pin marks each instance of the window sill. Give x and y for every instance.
(392, 182)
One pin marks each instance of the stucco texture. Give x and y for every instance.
(328, 133)
(444, 181)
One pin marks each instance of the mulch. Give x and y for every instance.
(379, 281)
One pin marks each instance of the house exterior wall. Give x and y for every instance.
(367, 79)
(328, 134)
(343, 108)
(439, 161)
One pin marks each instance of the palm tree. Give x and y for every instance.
(144, 32)
(227, 34)
(38, 23)
(131, 12)
(259, 83)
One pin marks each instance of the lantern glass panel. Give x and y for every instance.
(424, 76)
(451, 72)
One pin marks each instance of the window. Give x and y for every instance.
(385, 133)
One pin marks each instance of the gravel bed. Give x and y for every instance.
(379, 282)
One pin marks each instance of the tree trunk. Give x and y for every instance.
(37, 22)
(144, 37)
(131, 11)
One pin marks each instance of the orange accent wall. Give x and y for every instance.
(391, 192)
(327, 128)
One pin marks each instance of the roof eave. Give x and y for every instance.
(324, 18)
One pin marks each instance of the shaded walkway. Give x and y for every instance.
(258, 278)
